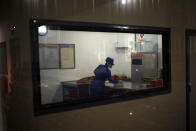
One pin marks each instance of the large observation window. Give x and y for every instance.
(76, 63)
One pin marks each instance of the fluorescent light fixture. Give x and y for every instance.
(123, 2)
(42, 30)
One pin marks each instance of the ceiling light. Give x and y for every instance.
(42, 30)
(123, 2)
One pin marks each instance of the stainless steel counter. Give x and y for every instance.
(126, 85)
(73, 91)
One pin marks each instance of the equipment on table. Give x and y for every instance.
(143, 66)
(156, 83)
(85, 80)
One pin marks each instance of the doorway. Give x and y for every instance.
(3, 59)
(190, 79)
(3, 83)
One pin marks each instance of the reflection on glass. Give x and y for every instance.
(105, 64)
(123, 2)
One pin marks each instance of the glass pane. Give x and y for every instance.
(92, 65)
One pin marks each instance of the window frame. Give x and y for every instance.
(40, 109)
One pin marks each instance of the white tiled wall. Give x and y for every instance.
(91, 49)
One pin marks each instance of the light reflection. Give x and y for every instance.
(125, 27)
(123, 2)
(130, 113)
(34, 21)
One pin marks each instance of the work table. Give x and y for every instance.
(71, 90)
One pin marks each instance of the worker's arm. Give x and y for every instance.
(110, 77)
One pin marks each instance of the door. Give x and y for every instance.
(3, 59)
(191, 80)
(3, 83)
(15, 60)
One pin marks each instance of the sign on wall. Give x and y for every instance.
(49, 56)
(57, 56)
(67, 53)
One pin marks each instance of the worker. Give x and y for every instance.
(102, 73)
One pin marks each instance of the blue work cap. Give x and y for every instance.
(110, 60)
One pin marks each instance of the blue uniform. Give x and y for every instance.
(102, 73)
